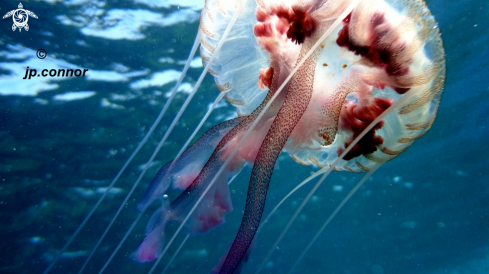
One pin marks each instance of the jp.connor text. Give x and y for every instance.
(55, 73)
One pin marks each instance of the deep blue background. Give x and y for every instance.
(425, 212)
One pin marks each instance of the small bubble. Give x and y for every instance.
(337, 188)
(408, 185)
(377, 269)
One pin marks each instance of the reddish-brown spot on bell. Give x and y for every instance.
(263, 29)
(378, 54)
(356, 118)
(261, 16)
(301, 27)
(300, 23)
(265, 78)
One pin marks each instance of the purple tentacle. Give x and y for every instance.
(199, 150)
(297, 99)
(214, 163)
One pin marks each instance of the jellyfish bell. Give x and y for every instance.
(342, 85)
(378, 53)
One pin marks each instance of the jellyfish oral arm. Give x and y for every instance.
(188, 165)
(296, 102)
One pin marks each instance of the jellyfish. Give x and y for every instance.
(343, 85)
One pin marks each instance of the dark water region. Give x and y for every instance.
(427, 211)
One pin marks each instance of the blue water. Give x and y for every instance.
(62, 140)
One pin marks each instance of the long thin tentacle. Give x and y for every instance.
(126, 164)
(175, 254)
(123, 239)
(337, 209)
(307, 180)
(284, 231)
